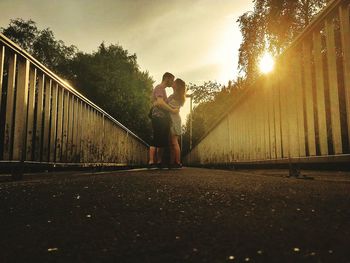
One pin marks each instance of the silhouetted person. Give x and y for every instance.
(160, 120)
(176, 101)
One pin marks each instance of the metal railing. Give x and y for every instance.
(44, 120)
(299, 112)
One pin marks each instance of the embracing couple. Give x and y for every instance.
(166, 121)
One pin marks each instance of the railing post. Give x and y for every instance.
(333, 87)
(2, 60)
(30, 121)
(10, 98)
(53, 134)
(345, 40)
(65, 126)
(79, 132)
(75, 129)
(46, 124)
(191, 122)
(308, 99)
(39, 118)
(21, 111)
(70, 128)
(59, 139)
(320, 92)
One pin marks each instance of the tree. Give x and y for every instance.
(111, 78)
(22, 32)
(205, 92)
(271, 27)
(42, 45)
(212, 102)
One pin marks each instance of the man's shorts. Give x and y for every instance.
(161, 129)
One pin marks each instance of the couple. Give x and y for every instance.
(166, 121)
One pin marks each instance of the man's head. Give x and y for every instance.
(168, 79)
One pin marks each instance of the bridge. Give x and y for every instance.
(297, 116)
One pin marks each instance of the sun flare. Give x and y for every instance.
(266, 63)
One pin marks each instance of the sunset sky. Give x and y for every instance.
(196, 40)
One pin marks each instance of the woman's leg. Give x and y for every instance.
(171, 148)
(175, 149)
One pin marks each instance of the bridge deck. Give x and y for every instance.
(194, 215)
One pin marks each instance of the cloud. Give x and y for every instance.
(186, 36)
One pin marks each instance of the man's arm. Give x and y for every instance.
(161, 104)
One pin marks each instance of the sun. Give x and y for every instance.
(266, 63)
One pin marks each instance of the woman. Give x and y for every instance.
(176, 101)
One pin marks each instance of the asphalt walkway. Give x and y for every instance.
(188, 215)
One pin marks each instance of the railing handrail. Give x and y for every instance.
(309, 28)
(63, 83)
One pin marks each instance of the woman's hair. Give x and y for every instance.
(180, 91)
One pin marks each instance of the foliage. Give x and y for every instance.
(109, 77)
(41, 44)
(22, 32)
(271, 27)
(214, 102)
(205, 92)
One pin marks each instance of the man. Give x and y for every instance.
(160, 120)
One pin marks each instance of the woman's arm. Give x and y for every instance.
(161, 104)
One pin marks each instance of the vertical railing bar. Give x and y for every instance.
(276, 114)
(95, 138)
(309, 102)
(83, 132)
(333, 87)
(320, 93)
(46, 123)
(344, 15)
(53, 136)
(10, 100)
(76, 129)
(39, 118)
(20, 123)
(78, 134)
(2, 61)
(58, 157)
(31, 106)
(65, 125)
(103, 157)
(70, 129)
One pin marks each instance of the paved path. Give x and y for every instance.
(189, 215)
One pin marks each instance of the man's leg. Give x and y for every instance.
(172, 149)
(152, 153)
(160, 154)
(153, 148)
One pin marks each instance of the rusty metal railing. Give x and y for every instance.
(299, 112)
(44, 120)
